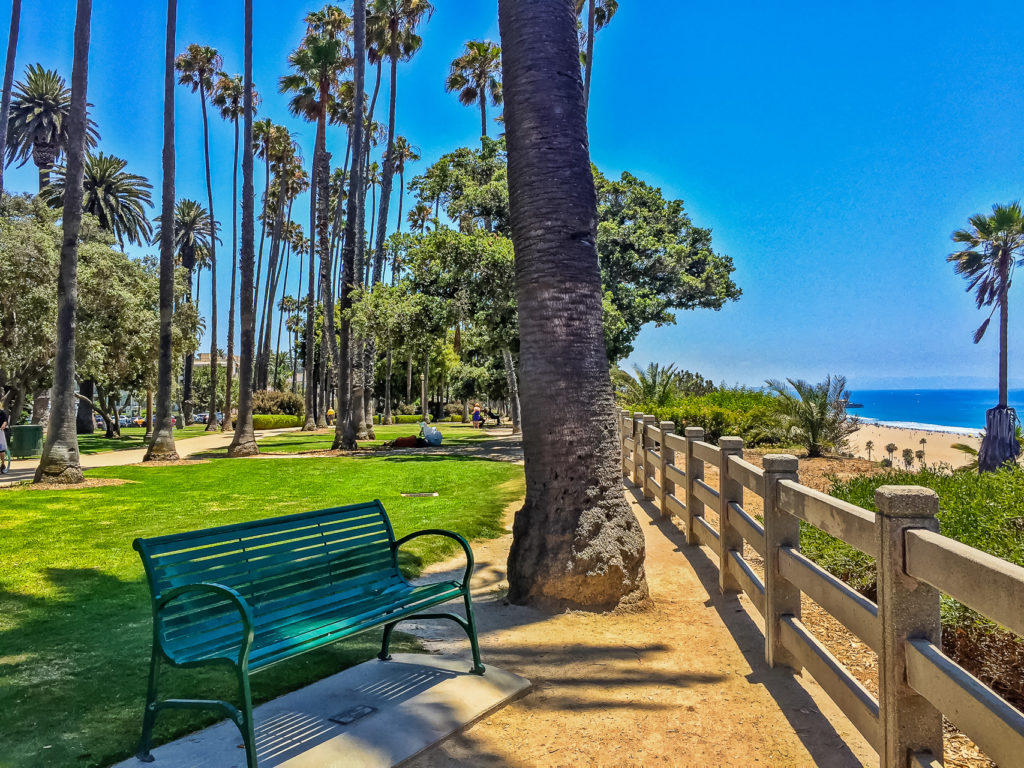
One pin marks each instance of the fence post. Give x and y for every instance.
(624, 427)
(638, 432)
(666, 456)
(694, 471)
(648, 465)
(729, 490)
(907, 609)
(781, 529)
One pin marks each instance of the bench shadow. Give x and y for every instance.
(827, 747)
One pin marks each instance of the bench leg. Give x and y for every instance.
(478, 667)
(384, 655)
(246, 725)
(149, 714)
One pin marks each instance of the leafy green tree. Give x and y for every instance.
(654, 261)
(115, 197)
(385, 313)
(40, 121)
(476, 76)
(59, 462)
(814, 415)
(656, 385)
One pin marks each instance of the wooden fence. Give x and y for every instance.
(917, 682)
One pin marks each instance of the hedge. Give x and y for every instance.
(275, 421)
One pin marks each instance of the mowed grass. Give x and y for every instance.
(75, 622)
(131, 437)
(304, 442)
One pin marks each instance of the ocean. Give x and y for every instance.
(944, 410)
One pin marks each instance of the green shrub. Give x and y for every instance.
(271, 402)
(408, 418)
(275, 421)
(748, 413)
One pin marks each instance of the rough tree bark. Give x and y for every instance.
(575, 542)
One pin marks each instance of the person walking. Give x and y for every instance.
(5, 452)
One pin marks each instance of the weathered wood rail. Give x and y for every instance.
(917, 682)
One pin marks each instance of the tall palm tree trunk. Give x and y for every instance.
(161, 446)
(575, 541)
(345, 427)
(591, 14)
(5, 100)
(388, 418)
(211, 421)
(244, 441)
(234, 273)
(1003, 344)
(308, 374)
(60, 461)
(483, 114)
(513, 390)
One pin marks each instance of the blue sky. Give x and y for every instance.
(831, 149)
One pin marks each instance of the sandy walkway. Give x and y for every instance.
(936, 449)
(682, 685)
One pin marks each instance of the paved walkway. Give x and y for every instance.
(24, 469)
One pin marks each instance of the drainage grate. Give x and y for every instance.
(352, 714)
(416, 495)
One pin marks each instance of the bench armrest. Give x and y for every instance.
(448, 534)
(231, 595)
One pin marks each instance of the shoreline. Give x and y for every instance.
(937, 448)
(915, 426)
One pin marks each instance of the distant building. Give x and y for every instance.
(203, 360)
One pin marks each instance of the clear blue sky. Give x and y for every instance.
(831, 149)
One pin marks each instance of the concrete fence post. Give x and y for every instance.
(666, 456)
(907, 609)
(781, 529)
(729, 490)
(638, 433)
(648, 464)
(694, 471)
(622, 424)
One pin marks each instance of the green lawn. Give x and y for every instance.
(131, 437)
(75, 623)
(301, 442)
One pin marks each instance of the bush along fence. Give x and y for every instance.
(917, 682)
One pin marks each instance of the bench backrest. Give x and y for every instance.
(274, 563)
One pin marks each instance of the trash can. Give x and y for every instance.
(26, 440)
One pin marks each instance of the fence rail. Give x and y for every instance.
(917, 682)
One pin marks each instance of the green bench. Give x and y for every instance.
(254, 594)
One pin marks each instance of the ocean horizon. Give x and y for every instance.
(937, 410)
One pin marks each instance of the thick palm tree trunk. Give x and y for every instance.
(234, 274)
(60, 461)
(345, 427)
(211, 421)
(85, 421)
(161, 446)
(5, 100)
(244, 441)
(575, 541)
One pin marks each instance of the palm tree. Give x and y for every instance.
(5, 100)
(349, 408)
(476, 75)
(919, 455)
(244, 441)
(316, 65)
(39, 125)
(161, 445)
(116, 198)
(404, 153)
(191, 242)
(815, 414)
(575, 541)
(656, 385)
(908, 457)
(420, 216)
(923, 442)
(891, 449)
(599, 13)
(227, 97)
(869, 446)
(60, 461)
(197, 67)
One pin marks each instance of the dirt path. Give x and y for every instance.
(682, 685)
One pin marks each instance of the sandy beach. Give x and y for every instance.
(937, 448)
